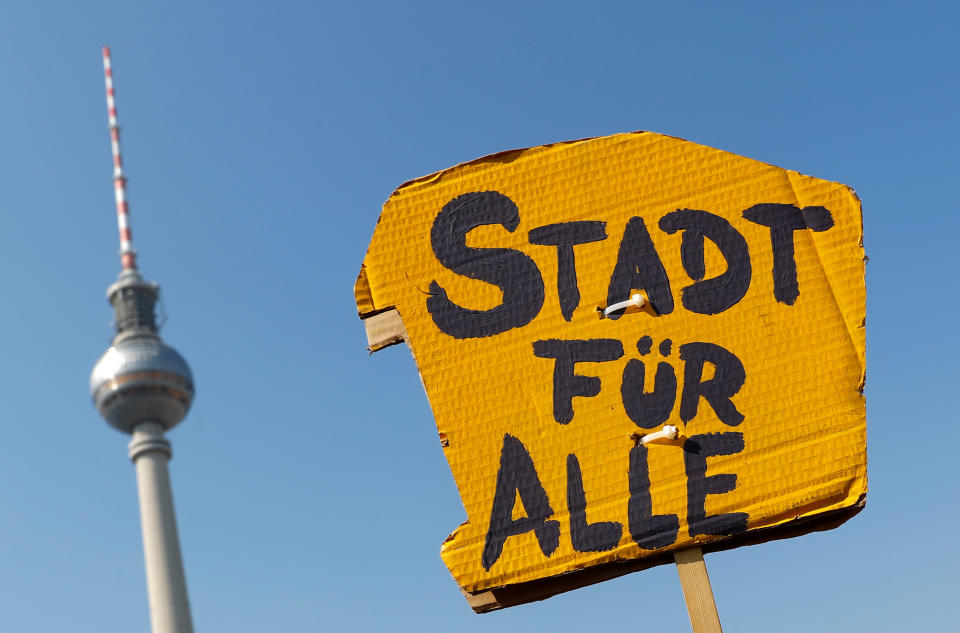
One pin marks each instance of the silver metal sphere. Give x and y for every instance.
(141, 378)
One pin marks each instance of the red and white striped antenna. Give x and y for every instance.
(128, 256)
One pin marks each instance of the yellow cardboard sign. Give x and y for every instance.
(750, 341)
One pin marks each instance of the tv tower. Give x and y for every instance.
(143, 387)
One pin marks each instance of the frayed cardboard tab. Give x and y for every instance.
(384, 329)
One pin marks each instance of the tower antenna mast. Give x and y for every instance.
(144, 387)
(128, 257)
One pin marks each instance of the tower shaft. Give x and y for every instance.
(166, 583)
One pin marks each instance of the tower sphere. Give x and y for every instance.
(140, 378)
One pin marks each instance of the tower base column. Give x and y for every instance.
(166, 583)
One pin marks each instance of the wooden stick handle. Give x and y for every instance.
(696, 589)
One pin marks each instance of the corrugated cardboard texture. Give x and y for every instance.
(784, 442)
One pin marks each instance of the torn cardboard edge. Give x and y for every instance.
(362, 293)
(503, 156)
(509, 155)
(534, 590)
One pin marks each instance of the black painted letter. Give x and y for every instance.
(648, 410)
(512, 271)
(728, 377)
(696, 450)
(587, 537)
(648, 530)
(639, 268)
(517, 474)
(565, 236)
(783, 220)
(566, 384)
(710, 296)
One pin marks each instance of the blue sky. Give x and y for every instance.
(260, 143)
